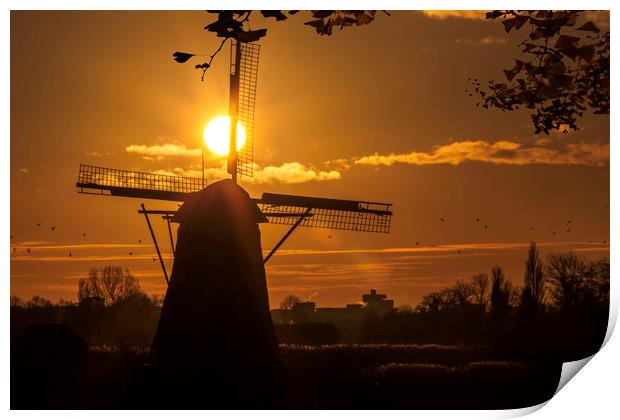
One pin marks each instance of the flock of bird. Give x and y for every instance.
(53, 229)
(567, 228)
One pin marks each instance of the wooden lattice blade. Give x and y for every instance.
(118, 182)
(360, 216)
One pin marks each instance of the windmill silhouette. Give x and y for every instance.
(218, 272)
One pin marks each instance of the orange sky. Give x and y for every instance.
(373, 113)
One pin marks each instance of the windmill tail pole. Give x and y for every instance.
(285, 237)
(161, 260)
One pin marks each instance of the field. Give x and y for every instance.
(334, 376)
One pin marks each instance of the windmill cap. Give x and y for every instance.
(220, 203)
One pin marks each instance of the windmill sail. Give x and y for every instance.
(243, 79)
(107, 181)
(359, 216)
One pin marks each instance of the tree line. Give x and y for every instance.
(561, 308)
(112, 310)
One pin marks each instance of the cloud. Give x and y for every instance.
(286, 173)
(97, 154)
(24, 171)
(487, 40)
(338, 163)
(500, 152)
(39, 245)
(459, 14)
(293, 173)
(163, 150)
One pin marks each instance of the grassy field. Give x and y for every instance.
(334, 376)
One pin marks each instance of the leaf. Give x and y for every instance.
(510, 74)
(494, 14)
(364, 19)
(320, 14)
(537, 34)
(181, 57)
(566, 41)
(589, 26)
(317, 24)
(203, 66)
(251, 36)
(278, 15)
(515, 22)
(547, 92)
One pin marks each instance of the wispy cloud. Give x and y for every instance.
(163, 150)
(487, 40)
(500, 152)
(38, 245)
(97, 154)
(458, 14)
(293, 173)
(286, 173)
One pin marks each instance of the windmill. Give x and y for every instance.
(216, 305)
(351, 215)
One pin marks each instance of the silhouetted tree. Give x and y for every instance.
(462, 293)
(534, 281)
(480, 283)
(576, 284)
(431, 303)
(565, 69)
(39, 302)
(109, 284)
(566, 274)
(16, 301)
(289, 301)
(500, 291)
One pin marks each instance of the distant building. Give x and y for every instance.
(378, 303)
(348, 320)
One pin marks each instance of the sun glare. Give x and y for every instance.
(217, 135)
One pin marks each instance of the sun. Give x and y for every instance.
(217, 135)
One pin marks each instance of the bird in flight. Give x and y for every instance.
(83, 234)
(486, 227)
(28, 250)
(442, 219)
(70, 254)
(53, 227)
(38, 224)
(130, 253)
(139, 241)
(477, 219)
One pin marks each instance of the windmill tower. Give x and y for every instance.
(216, 301)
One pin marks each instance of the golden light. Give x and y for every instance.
(217, 135)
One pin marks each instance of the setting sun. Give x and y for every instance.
(217, 135)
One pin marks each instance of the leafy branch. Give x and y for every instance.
(236, 25)
(567, 70)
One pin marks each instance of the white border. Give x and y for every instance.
(592, 393)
